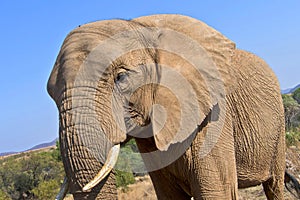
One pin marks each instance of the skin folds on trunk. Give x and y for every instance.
(84, 147)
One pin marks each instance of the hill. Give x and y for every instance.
(8, 153)
(290, 90)
(36, 147)
(43, 145)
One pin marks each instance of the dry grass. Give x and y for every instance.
(143, 189)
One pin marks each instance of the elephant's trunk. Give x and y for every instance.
(84, 146)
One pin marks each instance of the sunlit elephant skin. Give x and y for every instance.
(207, 118)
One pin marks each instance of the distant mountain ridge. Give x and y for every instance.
(290, 90)
(39, 146)
(7, 153)
(43, 145)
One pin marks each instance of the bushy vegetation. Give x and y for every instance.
(38, 175)
(291, 104)
(123, 178)
(296, 95)
(129, 162)
(35, 175)
(292, 138)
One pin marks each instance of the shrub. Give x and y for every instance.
(296, 95)
(292, 112)
(29, 175)
(128, 160)
(47, 189)
(292, 138)
(56, 152)
(123, 179)
(4, 195)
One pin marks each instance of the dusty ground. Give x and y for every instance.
(143, 188)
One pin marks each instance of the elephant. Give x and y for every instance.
(206, 116)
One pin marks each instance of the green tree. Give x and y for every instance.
(24, 182)
(56, 152)
(291, 109)
(129, 161)
(296, 95)
(292, 138)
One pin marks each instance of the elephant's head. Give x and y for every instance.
(116, 79)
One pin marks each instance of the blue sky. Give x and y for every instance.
(33, 31)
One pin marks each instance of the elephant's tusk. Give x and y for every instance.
(105, 170)
(63, 190)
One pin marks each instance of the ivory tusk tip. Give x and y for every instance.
(106, 169)
(86, 188)
(63, 190)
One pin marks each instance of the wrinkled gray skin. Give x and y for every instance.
(248, 148)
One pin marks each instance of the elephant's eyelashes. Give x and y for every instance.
(122, 82)
(121, 77)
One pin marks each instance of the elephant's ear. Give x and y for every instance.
(194, 64)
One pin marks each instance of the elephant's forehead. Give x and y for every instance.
(132, 59)
(71, 59)
(78, 60)
(83, 51)
(81, 42)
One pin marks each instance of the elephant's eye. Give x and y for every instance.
(121, 77)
